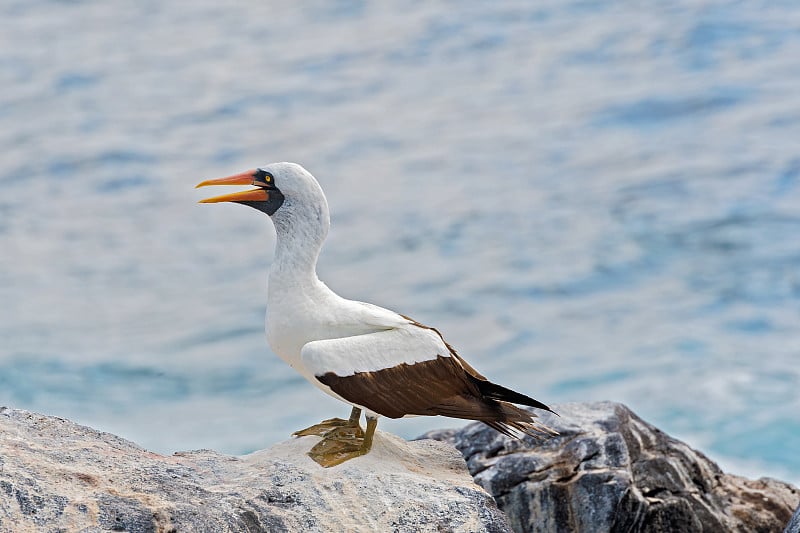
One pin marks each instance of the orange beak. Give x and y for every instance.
(244, 178)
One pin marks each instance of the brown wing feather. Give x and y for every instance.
(417, 389)
(466, 365)
(439, 386)
(446, 386)
(486, 387)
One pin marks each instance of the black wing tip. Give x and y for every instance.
(498, 392)
(543, 407)
(546, 408)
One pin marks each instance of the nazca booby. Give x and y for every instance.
(376, 360)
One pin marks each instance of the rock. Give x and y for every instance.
(794, 523)
(59, 476)
(608, 470)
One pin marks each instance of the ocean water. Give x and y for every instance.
(591, 200)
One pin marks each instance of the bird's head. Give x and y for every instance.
(276, 184)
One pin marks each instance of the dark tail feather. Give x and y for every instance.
(505, 417)
(498, 392)
(502, 428)
(518, 423)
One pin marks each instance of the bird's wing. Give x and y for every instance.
(398, 372)
(373, 351)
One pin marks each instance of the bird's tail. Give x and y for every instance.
(514, 422)
(498, 414)
(498, 392)
(517, 423)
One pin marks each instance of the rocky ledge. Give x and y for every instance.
(57, 476)
(606, 471)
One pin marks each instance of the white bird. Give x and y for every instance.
(376, 360)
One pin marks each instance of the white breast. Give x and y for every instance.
(297, 316)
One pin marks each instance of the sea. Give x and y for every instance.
(590, 200)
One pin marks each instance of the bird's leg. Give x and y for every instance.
(332, 423)
(355, 417)
(344, 443)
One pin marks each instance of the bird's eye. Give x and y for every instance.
(263, 176)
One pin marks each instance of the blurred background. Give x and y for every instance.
(591, 200)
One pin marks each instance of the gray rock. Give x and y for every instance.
(794, 524)
(59, 476)
(608, 470)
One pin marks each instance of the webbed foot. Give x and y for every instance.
(322, 428)
(343, 443)
(328, 425)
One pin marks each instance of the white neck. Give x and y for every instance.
(301, 229)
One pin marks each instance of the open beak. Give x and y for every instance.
(261, 194)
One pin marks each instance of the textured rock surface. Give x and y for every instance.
(58, 476)
(610, 471)
(794, 523)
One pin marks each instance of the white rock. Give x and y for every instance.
(59, 476)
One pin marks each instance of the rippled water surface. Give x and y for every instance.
(590, 200)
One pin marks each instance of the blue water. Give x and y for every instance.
(590, 200)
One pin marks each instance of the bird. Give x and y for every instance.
(378, 361)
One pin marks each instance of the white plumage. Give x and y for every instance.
(308, 325)
(370, 357)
